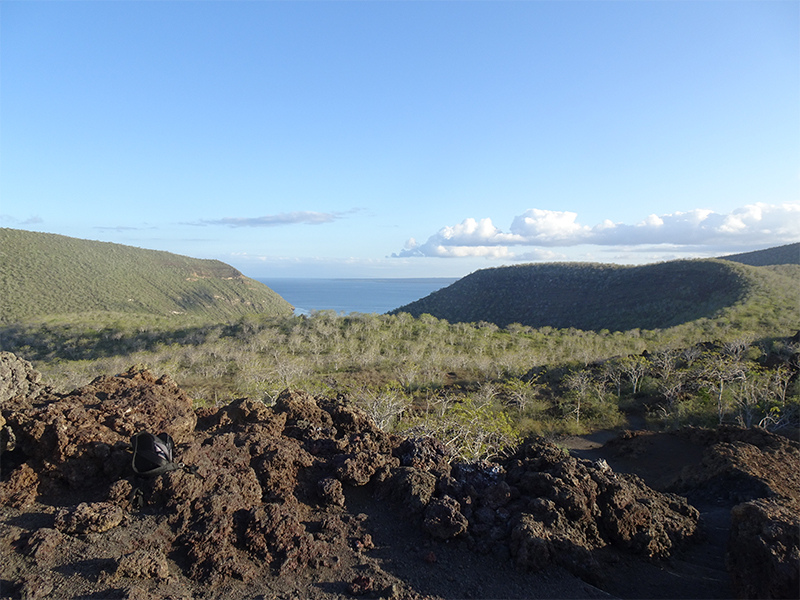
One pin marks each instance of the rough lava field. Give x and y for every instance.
(309, 499)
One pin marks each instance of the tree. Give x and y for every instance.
(670, 378)
(781, 411)
(717, 369)
(751, 396)
(581, 383)
(614, 372)
(520, 393)
(471, 429)
(635, 367)
(385, 406)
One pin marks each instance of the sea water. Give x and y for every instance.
(353, 295)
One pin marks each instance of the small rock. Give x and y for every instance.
(330, 491)
(21, 488)
(42, 544)
(361, 585)
(137, 593)
(121, 493)
(144, 564)
(364, 543)
(95, 517)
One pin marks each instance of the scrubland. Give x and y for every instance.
(478, 387)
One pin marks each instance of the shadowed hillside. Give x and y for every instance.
(46, 274)
(781, 255)
(599, 296)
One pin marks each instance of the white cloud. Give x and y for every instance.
(468, 238)
(651, 221)
(754, 224)
(549, 227)
(120, 228)
(769, 224)
(465, 251)
(474, 233)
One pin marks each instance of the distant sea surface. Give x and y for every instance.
(353, 295)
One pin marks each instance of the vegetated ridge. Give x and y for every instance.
(593, 296)
(780, 255)
(47, 274)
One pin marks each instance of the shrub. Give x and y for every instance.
(471, 429)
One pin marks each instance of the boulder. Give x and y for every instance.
(411, 488)
(570, 507)
(763, 554)
(144, 564)
(443, 518)
(741, 464)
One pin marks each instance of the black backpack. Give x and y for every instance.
(154, 455)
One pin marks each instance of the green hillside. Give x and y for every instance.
(618, 298)
(45, 274)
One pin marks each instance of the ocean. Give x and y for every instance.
(353, 295)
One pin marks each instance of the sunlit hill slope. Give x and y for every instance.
(46, 274)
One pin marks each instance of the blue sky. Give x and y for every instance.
(403, 139)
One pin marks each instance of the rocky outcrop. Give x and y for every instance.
(757, 474)
(549, 507)
(20, 385)
(764, 550)
(81, 439)
(269, 485)
(741, 464)
(761, 471)
(18, 380)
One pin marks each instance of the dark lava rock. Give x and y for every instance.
(741, 464)
(330, 491)
(411, 487)
(43, 543)
(21, 487)
(425, 453)
(274, 535)
(443, 518)
(81, 439)
(35, 587)
(570, 507)
(763, 555)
